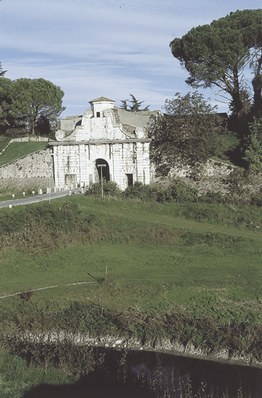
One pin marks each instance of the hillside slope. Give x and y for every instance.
(189, 273)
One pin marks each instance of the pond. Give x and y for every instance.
(148, 374)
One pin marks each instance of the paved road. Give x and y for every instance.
(38, 198)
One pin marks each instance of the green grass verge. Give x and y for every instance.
(17, 150)
(16, 377)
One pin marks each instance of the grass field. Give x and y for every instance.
(17, 150)
(154, 255)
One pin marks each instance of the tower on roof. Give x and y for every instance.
(98, 105)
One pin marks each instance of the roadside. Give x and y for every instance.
(39, 198)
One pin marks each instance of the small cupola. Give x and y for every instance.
(100, 104)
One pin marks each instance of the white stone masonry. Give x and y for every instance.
(106, 140)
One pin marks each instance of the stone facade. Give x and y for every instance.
(106, 142)
(31, 171)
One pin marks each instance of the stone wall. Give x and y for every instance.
(32, 171)
(208, 177)
(35, 170)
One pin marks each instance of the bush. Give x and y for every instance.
(235, 182)
(45, 226)
(140, 191)
(182, 192)
(213, 197)
(110, 188)
(253, 153)
(178, 191)
(256, 199)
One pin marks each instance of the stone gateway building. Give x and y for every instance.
(106, 142)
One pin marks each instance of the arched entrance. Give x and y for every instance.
(102, 169)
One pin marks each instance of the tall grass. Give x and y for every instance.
(16, 376)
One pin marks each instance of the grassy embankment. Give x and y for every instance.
(3, 141)
(17, 150)
(185, 272)
(202, 259)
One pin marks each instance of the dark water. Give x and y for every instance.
(140, 374)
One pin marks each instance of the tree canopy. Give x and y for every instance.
(30, 101)
(187, 134)
(219, 55)
(5, 103)
(133, 105)
(253, 153)
(2, 72)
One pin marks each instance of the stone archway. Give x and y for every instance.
(103, 169)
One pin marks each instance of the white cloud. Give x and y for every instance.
(108, 47)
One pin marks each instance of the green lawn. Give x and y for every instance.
(17, 150)
(154, 256)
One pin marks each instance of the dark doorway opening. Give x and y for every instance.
(130, 180)
(103, 169)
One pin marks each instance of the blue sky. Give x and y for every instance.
(93, 48)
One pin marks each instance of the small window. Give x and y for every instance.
(98, 114)
(130, 181)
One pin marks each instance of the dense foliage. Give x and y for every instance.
(219, 54)
(253, 153)
(150, 328)
(29, 104)
(237, 184)
(2, 72)
(187, 134)
(6, 120)
(228, 54)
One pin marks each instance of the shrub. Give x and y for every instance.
(141, 192)
(213, 197)
(256, 199)
(253, 153)
(235, 182)
(182, 192)
(45, 226)
(110, 188)
(177, 191)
